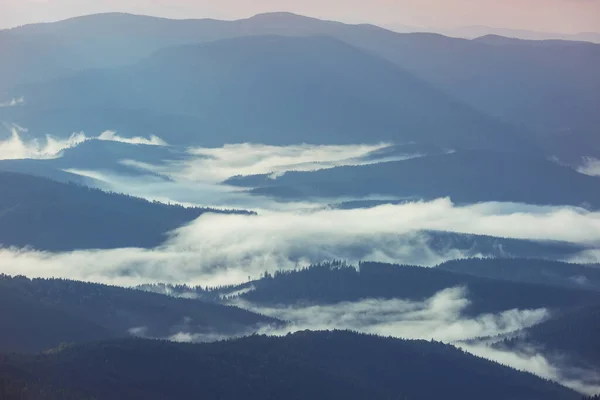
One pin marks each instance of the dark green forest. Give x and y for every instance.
(69, 311)
(330, 283)
(315, 365)
(532, 270)
(47, 215)
(569, 335)
(466, 177)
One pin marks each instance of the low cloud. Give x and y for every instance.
(225, 258)
(169, 290)
(139, 331)
(209, 164)
(534, 360)
(195, 176)
(227, 249)
(220, 249)
(185, 193)
(112, 136)
(591, 256)
(17, 148)
(214, 165)
(590, 166)
(14, 102)
(439, 318)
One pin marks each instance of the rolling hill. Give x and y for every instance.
(465, 177)
(549, 87)
(95, 155)
(539, 271)
(29, 325)
(39, 314)
(49, 215)
(331, 283)
(316, 365)
(276, 90)
(571, 336)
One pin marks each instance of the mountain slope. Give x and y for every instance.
(465, 177)
(330, 284)
(120, 39)
(571, 336)
(40, 314)
(551, 87)
(529, 270)
(31, 325)
(95, 155)
(316, 365)
(278, 90)
(48, 215)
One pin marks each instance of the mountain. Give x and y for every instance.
(497, 247)
(43, 169)
(465, 177)
(17, 385)
(24, 65)
(38, 314)
(29, 324)
(550, 88)
(121, 39)
(539, 271)
(476, 31)
(316, 365)
(333, 283)
(49, 215)
(571, 336)
(107, 155)
(277, 90)
(96, 155)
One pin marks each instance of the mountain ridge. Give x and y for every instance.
(261, 367)
(316, 89)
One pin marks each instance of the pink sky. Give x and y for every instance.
(561, 16)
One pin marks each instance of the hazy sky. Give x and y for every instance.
(561, 16)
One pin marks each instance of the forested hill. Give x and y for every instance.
(332, 283)
(572, 336)
(305, 365)
(465, 176)
(49, 215)
(37, 314)
(529, 270)
(31, 325)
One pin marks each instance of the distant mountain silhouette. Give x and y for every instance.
(551, 88)
(278, 90)
(315, 365)
(465, 177)
(49, 215)
(40, 314)
(477, 31)
(120, 39)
